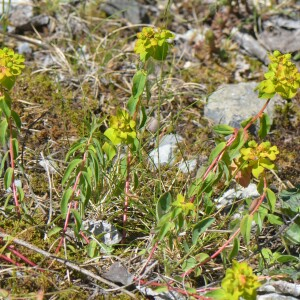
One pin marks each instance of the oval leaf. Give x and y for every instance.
(139, 81)
(223, 129)
(215, 152)
(163, 205)
(65, 200)
(200, 227)
(73, 164)
(271, 199)
(8, 177)
(54, 231)
(246, 228)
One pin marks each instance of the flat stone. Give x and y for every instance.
(233, 103)
(131, 10)
(110, 234)
(21, 13)
(165, 153)
(236, 194)
(188, 166)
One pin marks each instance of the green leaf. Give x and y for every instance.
(21, 193)
(5, 104)
(223, 129)
(65, 201)
(246, 122)
(216, 151)
(201, 257)
(139, 81)
(291, 200)
(274, 220)
(76, 146)
(144, 117)
(113, 136)
(3, 161)
(92, 249)
(161, 289)
(216, 295)
(265, 125)
(234, 149)
(165, 229)
(8, 82)
(54, 231)
(135, 181)
(109, 150)
(189, 263)
(3, 131)
(8, 177)
(258, 217)
(285, 258)
(200, 227)
(246, 228)
(163, 205)
(235, 249)
(15, 147)
(77, 218)
(293, 233)
(17, 119)
(72, 165)
(271, 199)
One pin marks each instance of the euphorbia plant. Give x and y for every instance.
(11, 66)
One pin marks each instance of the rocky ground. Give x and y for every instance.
(80, 61)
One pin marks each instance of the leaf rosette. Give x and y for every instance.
(282, 78)
(259, 157)
(153, 42)
(122, 128)
(11, 63)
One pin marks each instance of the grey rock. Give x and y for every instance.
(24, 48)
(131, 10)
(118, 273)
(278, 290)
(9, 5)
(188, 166)
(233, 103)
(274, 296)
(238, 193)
(250, 45)
(109, 233)
(281, 33)
(160, 296)
(21, 13)
(165, 153)
(37, 22)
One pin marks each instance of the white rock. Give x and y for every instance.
(165, 153)
(188, 166)
(236, 194)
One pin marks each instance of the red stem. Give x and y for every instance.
(20, 255)
(259, 202)
(12, 163)
(71, 198)
(127, 189)
(6, 258)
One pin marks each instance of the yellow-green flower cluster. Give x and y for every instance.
(181, 203)
(153, 42)
(259, 157)
(11, 64)
(240, 282)
(122, 128)
(282, 78)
